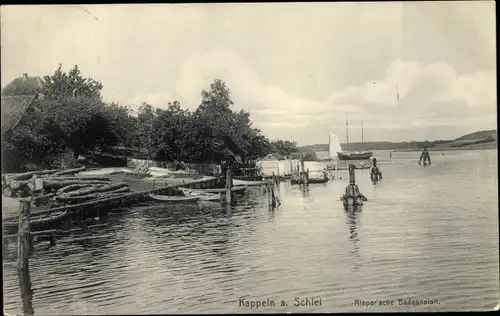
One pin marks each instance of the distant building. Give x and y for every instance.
(18, 97)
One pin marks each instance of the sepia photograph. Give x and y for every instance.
(235, 158)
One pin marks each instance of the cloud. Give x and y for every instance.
(429, 95)
(298, 68)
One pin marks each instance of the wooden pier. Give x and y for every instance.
(118, 201)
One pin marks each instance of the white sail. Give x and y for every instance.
(334, 146)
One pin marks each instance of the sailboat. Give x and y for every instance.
(335, 150)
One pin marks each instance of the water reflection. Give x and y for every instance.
(353, 215)
(200, 258)
(305, 190)
(271, 215)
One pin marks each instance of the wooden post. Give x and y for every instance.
(352, 178)
(269, 196)
(23, 239)
(26, 291)
(229, 190)
(307, 177)
(52, 239)
(273, 197)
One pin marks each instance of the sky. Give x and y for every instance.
(408, 71)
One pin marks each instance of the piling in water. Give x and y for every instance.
(352, 195)
(352, 174)
(24, 243)
(375, 173)
(229, 182)
(272, 199)
(26, 291)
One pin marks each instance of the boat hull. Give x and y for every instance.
(355, 155)
(174, 199)
(240, 189)
(297, 181)
(203, 196)
(238, 182)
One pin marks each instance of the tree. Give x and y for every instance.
(70, 116)
(285, 148)
(82, 121)
(146, 131)
(122, 124)
(225, 129)
(260, 145)
(218, 97)
(37, 139)
(73, 116)
(174, 128)
(72, 84)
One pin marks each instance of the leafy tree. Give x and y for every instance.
(285, 148)
(173, 126)
(82, 122)
(73, 116)
(123, 124)
(146, 131)
(72, 84)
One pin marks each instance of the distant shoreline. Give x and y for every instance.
(482, 147)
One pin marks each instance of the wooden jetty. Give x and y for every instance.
(117, 201)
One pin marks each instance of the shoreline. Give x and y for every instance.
(494, 146)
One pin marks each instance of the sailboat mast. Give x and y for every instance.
(362, 131)
(346, 129)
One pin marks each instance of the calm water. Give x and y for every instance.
(425, 233)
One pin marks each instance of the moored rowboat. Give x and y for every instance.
(238, 189)
(203, 196)
(238, 182)
(174, 199)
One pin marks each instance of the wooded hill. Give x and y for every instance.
(477, 140)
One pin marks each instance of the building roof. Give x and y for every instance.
(273, 156)
(13, 109)
(23, 85)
